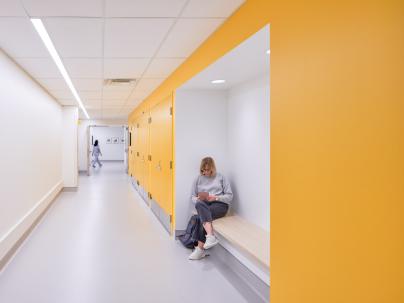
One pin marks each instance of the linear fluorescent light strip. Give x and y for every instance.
(218, 81)
(40, 28)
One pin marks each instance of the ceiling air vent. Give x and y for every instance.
(119, 82)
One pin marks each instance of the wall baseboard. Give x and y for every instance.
(12, 240)
(158, 212)
(161, 215)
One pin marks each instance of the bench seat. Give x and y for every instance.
(246, 236)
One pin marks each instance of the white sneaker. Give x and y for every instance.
(197, 254)
(210, 241)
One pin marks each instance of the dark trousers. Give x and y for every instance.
(207, 212)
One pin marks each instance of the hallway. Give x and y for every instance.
(101, 244)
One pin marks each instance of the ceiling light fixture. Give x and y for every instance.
(40, 28)
(218, 81)
(268, 51)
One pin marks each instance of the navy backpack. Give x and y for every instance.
(189, 239)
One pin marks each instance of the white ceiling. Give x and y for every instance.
(247, 61)
(103, 39)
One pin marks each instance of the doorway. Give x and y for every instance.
(113, 144)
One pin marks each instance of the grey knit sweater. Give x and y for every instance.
(215, 186)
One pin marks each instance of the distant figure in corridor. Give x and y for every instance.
(96, 153)
(212, 194)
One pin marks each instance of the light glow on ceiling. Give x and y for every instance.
(218, 81)
(40, 28)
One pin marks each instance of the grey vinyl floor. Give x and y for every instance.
(102, 244)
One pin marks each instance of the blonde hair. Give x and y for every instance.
(210, 163)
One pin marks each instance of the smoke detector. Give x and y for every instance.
(119, 82)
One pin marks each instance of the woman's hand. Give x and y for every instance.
(212, 198)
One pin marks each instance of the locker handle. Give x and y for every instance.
(159, 166)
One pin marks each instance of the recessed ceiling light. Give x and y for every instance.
(218, 81)
(268, 51)
(40, 28)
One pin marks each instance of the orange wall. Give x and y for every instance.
(337, 144)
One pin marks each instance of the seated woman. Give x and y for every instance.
(212, 194)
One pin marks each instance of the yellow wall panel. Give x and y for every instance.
(337, 144)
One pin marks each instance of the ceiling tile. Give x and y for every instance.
(134, 37)
(111, 111)
(39, 67)
(118, 89)
(137, 94)
(90, 95)
(113, 106)
(76, 37)
(113, 103)
(83, 67)
(92, 103)
(93, 113)
(141, 8)
(53, 83)
(127, 110)
(114, 116)
(124, 68)
(187, 35)
(115, 95)
(22, 40)
(93, 107)
(162, 67)
(133, 103)
(61, 94)
(63, 8)
(11, 8)
(146, 84)
(211, 8)
(87, 84)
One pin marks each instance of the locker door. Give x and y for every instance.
(134, 148)
(130, 149)
(136, 151)
(161, 151)
(144, 151)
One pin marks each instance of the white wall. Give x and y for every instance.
(83, 141)
(69, 147)
(248, 152)
(30, 153)
(200, 131)
(109, 151)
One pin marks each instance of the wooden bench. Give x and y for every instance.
(248, 237)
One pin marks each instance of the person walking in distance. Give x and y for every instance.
(96, 153)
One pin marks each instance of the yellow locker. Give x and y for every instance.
(144, 151)
(130, 166)
(134, 150)
(161, 154)
(137, 151)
